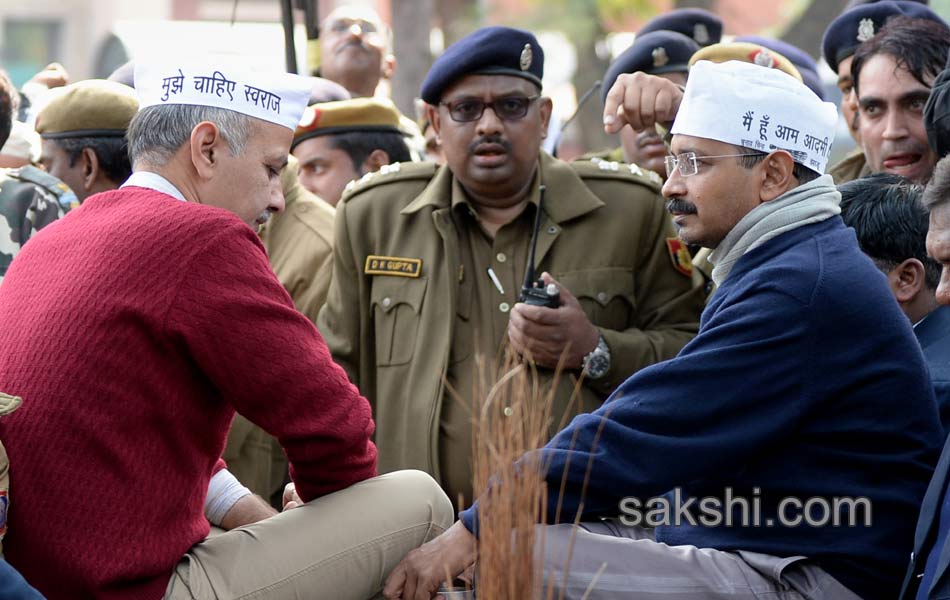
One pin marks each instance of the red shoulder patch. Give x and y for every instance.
(679, 254)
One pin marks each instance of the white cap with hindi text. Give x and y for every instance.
(759, 108)
(271, 96)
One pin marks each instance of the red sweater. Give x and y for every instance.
(133, 329)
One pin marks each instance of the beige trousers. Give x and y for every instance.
(611, 560)
(339, 546)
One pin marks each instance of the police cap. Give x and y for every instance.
(91, 108)
(487, 51)
(357, 114)
(805, 64)
(654, 53)
(859, 24)
(702, 26)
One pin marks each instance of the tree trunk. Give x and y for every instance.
(411, 26)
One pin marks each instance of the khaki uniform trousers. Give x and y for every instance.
(340, 546)
(612, 560)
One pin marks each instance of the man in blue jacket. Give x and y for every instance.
(928, 575)
(890, 221)
(804, 393)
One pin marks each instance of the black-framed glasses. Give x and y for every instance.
(686, 162)
(508, 108)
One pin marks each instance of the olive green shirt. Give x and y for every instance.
(396, 299)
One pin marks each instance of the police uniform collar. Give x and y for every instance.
(566, 197)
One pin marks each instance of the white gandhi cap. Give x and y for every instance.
(754, 107)
(223, 83)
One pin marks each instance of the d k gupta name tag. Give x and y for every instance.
(393, 265)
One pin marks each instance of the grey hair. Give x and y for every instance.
(937, 191)
(157, 132)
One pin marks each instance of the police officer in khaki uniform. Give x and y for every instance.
(336, 142)
(30, 199)
(339, 141)
(299, 243)
(83, 135)
(429, 262)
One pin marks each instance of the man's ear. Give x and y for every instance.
(776, 175)
(90, 168)
(389, 66)
(205, 144)
(545, 106)
(908, 278)
(377, 158)
(435, 121)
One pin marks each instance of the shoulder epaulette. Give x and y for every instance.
(393, 173)
(597, 168)
(65, 196)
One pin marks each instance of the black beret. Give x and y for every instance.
(653, 53)
(487, 51)
(703, 26)
(859, 24)
(805, 64)
(937, 115)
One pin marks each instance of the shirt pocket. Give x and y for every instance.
(605, 294)
(396, 303)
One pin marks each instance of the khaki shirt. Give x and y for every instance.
(299, 243)
(398, 290)
(851, 167)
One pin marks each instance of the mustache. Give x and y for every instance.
(358, 43)
(680, 206)
(490, 139)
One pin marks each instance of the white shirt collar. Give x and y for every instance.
(154, 181)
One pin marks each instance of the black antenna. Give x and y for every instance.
(529, 268)
(580, 105)
(533, 291)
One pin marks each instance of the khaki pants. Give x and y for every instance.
(339, 546)
(617, 561)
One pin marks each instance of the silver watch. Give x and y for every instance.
(597, 362)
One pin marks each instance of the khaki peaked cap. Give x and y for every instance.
(91, 108)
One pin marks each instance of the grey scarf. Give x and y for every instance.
(810, 203)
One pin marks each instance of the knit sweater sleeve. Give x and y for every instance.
(269, 362)
(737, 387)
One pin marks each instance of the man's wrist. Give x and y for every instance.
(596, 363)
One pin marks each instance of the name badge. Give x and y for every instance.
(393, 265)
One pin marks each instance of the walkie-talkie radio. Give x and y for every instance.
(534, 292)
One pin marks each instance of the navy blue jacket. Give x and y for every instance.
(805, 380)
(933, 333)
(926, 534)
(13, 586)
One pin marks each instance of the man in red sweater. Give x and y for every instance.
(135, 327)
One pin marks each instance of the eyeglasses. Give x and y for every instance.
(344, 25)
(686, 163)
(509, 108)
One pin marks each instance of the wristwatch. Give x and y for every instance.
(597, 362)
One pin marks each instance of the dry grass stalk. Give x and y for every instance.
(513, 418)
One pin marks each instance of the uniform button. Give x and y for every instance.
(552, 229)
(503, 307)
(509, 411)
(602, 296)
(387, 302)
(500, 257)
